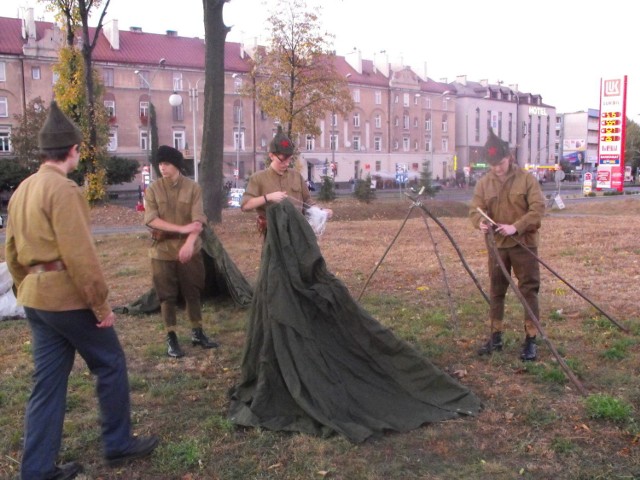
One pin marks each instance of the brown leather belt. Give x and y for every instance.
(160, 235)
(55, 266)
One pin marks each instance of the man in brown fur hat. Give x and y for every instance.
(54, 264)
(513, 199)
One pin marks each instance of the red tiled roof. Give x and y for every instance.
(135, 47)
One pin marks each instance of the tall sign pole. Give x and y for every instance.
(613, 121)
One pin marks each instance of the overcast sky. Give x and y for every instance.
(559, 49)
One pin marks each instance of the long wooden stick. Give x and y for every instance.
(494, 251)
(419, 204)
(543, 263)
(385, 253)
(454, 318)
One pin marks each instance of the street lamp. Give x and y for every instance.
(175, 100)
(239, 114)
(162, 62)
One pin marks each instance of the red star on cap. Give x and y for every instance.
(492, 151)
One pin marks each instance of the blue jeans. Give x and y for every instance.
(56, 336)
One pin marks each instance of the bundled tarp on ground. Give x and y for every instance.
(9, 307)
(316, 362)
(223, 279)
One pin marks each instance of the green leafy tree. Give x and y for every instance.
(363, 190)
(24, 137)
(121, 170)
(327, 191)
(212, 151)
(79, 92)
(426, 180)
(296, 82)
(632, 146)
(11, 174)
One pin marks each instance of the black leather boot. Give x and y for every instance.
(530, 349)
(199, 338)
(174, 347)
(494, 343)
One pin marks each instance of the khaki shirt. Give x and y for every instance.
(180, 204)
(49, 221)
(517, 201)
(268, 181)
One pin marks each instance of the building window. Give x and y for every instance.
(3, 72)
(416, 99)
(427, 144)
(178, 139)
(377, 144)
(356, 143)
(445, 103)
(238, 140)
(396, 121)
(406, 144)
(177, 81)
(107, 77)
(427, 122)
(144, 109)
(356, 119)
(35, 73)
(237, 84)
(396, 145)
(445, 123)
(333, 142)
(416, 145)
(334, 119)
(356, 95)
(237, 113)
(310, 143)
(144, 140)
(378, 97)
(143, 79)
(396, 99)
(427, 102)
(405, 121)
(110, 106)
(178, 112)
(378, 165)
(112, 146)
(4, 107)
(445, 145)
(5, 139)
(405, 99)
(378, 120)
(415, 122)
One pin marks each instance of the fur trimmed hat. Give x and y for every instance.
(281, 143)
(496, 149)
(170, 155)
(58, 130)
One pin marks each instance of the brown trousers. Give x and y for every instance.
(172, 279)
(527, 270)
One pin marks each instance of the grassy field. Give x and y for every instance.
(534, 425)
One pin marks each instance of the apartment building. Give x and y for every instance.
(401, 118)
(578, 135)
(519, 118)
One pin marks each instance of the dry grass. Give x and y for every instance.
(534, 424)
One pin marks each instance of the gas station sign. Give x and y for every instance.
(613, 100)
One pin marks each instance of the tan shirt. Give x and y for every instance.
(48, 221)
(180, 204)
(268, 181)
(517, 201)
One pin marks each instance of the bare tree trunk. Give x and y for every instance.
(213, 124)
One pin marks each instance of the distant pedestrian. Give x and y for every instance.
(54, 265)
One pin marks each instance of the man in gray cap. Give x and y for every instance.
(513, 199)
(175, 212)
(54, 265)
